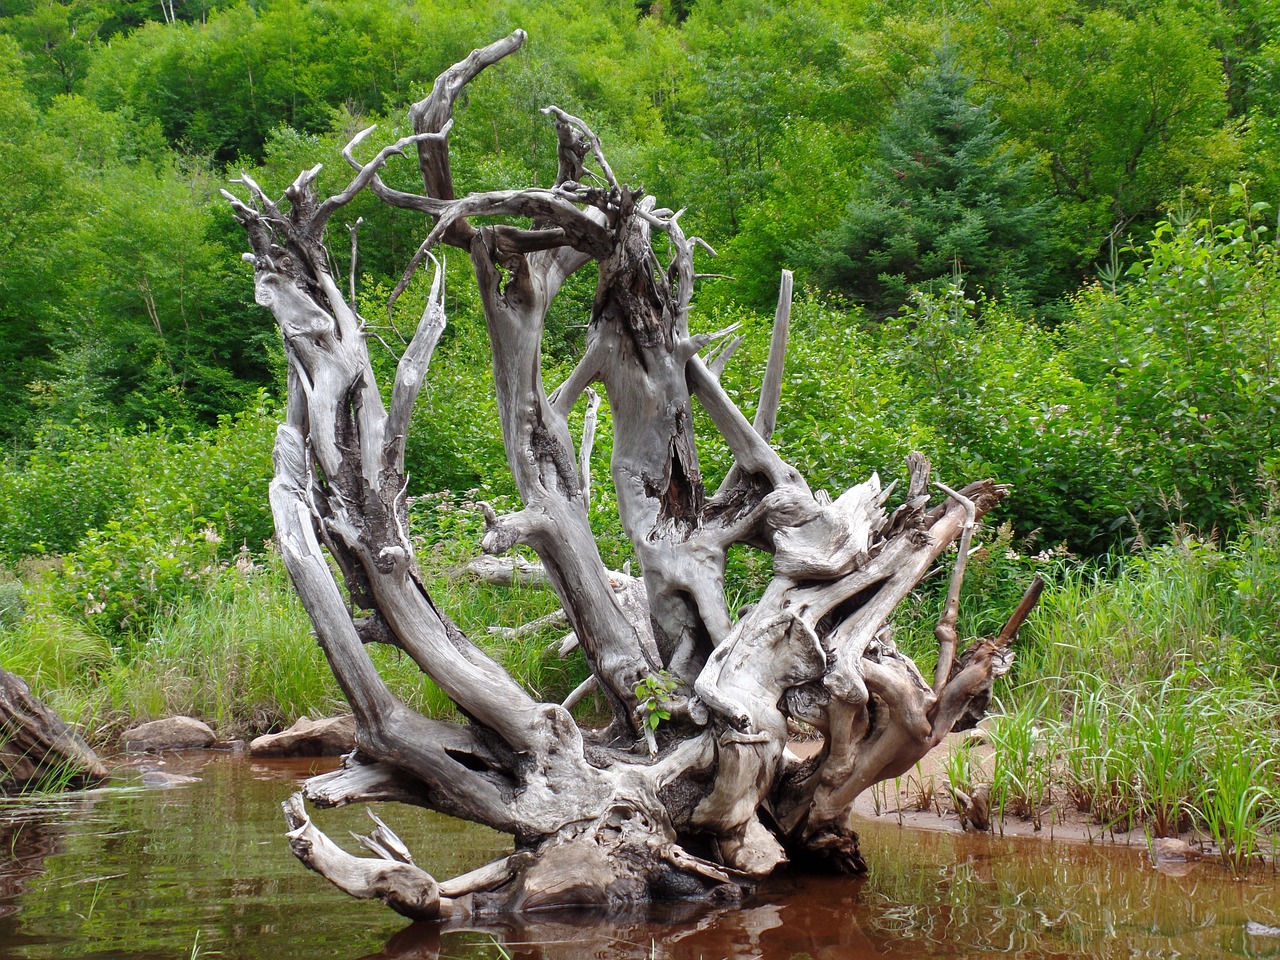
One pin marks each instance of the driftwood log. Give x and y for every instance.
(596, 818)
(37, 748)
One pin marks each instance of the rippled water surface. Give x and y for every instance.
(202, 870)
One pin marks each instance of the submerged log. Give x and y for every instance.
(38, 751)
(690, 792)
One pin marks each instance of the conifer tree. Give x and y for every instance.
(945, 191)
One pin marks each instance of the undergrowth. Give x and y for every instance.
(1145, 695)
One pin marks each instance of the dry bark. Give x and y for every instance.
(37, 749)
(595, 819)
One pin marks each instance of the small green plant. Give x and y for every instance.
(958, 766)
(654, 693)
(93, 901)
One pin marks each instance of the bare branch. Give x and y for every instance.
(557, 618)
(408, 890)
(588, 441)
(369, 170)
(581, 692)
(550, 206)
(591, 138)
(946, 629)
(412, 369)
(722, 354)
(771, 389)
(1029, 600)
(435, 113)
(354, 230)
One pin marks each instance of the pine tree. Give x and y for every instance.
(945, 191)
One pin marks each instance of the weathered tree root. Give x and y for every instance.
(405, 888)
(595, 820)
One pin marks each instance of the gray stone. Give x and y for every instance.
(309, 738)
(157, 778)
(174, 733)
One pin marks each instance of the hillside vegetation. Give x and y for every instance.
(1036, 242)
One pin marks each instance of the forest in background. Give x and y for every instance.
(1035, 241)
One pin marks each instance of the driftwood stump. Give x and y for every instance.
(595, 816)
(37, 749)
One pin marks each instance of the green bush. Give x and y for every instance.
(1000, 402)
(78, 480)
(137, 568)
(1182, 359)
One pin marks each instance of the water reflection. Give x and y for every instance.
(201, 869)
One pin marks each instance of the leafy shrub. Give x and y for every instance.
(78, 480)
(137, 568)
(1002, 403)
(142, 518)
(1183, 360)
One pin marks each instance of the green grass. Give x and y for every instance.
(1021, 774)
(1145, 694)
(1238, 802)
(241, 654)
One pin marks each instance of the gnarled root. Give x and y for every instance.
(623, 857)
(392, 878)
(833, 847)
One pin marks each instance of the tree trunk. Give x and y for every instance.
(596, 819)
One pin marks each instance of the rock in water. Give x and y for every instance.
(1172, 850)
(174, 733)
(37, 749)
(309, 738)
(158, 778)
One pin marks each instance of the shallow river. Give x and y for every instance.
(202, 870)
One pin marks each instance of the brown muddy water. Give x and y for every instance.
(201, 870)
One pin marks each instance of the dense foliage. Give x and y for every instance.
(1034, 236)
(1035, 241)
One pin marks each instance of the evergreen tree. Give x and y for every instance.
(945, 191)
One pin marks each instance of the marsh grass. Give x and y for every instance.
(52, 775)
(241, 655)
(1024, 741)
(1238, 802)
(1169, 756)
(1094, 766)
(1145, 693)
(921, 790)
(959, 767)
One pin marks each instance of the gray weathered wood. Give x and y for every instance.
(596, 818)
(37, 749)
